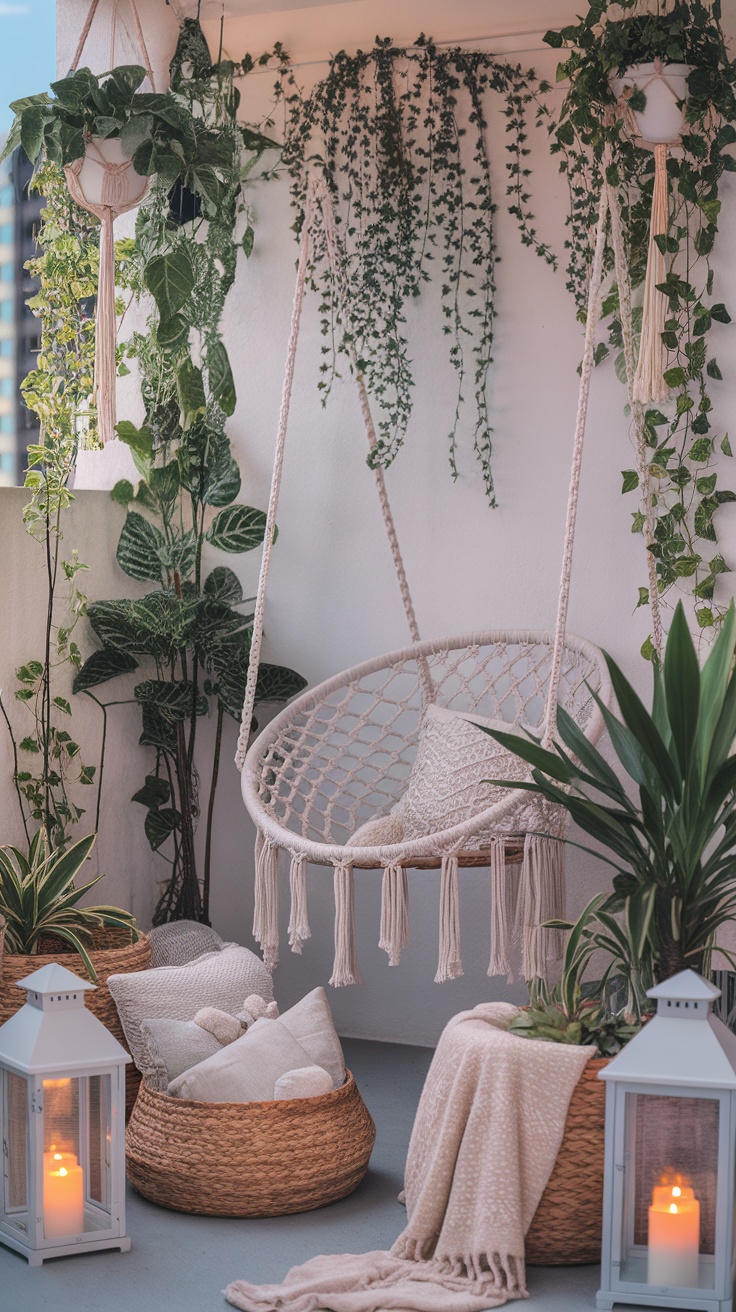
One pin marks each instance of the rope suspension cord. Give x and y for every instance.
(138, 32)
(319, 201)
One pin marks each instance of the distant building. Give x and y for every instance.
(19, 330)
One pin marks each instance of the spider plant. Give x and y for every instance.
(38, 895)
(670, 834)
(573, 1012)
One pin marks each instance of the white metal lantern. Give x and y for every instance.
(670, 1172)
(62, 1111)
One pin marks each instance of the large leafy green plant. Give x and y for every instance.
(190, 636)
(590, 137)
(48, 761)
(39, 896)
(672, 845)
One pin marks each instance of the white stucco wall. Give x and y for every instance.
(333, 599)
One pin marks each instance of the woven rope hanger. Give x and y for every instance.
(542, 880)
(113, 202)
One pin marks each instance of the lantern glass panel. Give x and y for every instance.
(15, 1141)
(99, 1186)
(669, 1214)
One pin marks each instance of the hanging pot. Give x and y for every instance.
(665, 88)
(105, 176)
(184, 204)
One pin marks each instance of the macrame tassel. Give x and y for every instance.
(649, 383)
(542, 898)
(266, 908)
(394, 913)
(346, 969)
(106, 332)
(299, 929)
(449, 965)
(502, 911)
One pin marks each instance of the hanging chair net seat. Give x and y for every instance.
(342, 754)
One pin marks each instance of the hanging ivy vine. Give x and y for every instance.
(400, 133)
(590, 135)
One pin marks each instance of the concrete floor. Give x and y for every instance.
(181, 1263)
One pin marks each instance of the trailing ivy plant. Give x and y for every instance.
(590, 136)
(400, 133)
(188, 640)
(48, 763)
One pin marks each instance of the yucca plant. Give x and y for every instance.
(38, 895)
(672, 844)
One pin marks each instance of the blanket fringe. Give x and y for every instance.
(266, 908)
(299, 930)
(449, 965)
(507, 1273)
(542, 898)
(394, 913)
(346, 969)
(504, 890)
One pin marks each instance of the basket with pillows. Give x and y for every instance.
(241, 1112)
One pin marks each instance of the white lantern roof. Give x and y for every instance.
(54, 1031)
(684, 1044)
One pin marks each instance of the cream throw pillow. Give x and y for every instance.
(246, 1070)
(310, 1022)
(308, 1082)
(454, 759)
(172, 1047)
(219, 979)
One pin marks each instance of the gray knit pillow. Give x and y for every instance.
(181, 941)
(219, 979)
(172, 1046)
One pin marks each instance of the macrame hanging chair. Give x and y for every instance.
(342, 753)
(104, 182)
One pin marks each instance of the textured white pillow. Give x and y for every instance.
(180, 941)
(246, 1070)
(310, 1021)
(308, 1082)
(454, 758)
(172, 1047)
(218, 979)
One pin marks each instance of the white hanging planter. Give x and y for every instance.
(105, 176)
(665, 87)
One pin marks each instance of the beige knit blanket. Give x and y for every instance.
(487, 1131)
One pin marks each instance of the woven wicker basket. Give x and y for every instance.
(566, 1228)
(249, 1159)
(106, 961)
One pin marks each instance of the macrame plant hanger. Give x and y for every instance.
(539, 894)
(115, 188)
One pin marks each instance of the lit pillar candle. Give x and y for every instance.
(63, 1196)
(674, 1237)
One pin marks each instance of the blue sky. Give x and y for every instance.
(27, 51)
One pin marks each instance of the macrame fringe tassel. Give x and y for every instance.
(346, 969)
(542, 898)
(502, 911)
(649, 384)
(449, 965)
(266, 908)
(105, 332)
(394, 913)
(299, 930)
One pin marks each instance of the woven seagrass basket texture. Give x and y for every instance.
(566, 1227)
(249, 1159)
(106, 961)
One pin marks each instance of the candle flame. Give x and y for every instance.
(58, 1157)
(63, 1171)
(676, 1193)
(673, 1206)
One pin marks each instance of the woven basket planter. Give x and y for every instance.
(566, 1228)
(117, 960)
(249, 1159)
